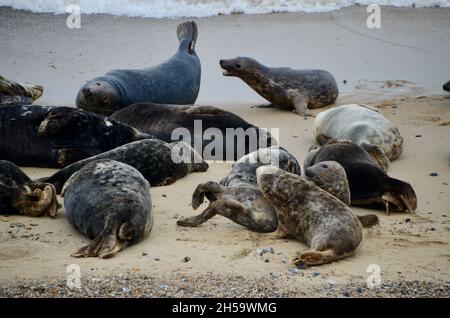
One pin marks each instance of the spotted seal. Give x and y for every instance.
(363, 125)
(20, 195)
(159, 162)
(237, 197)
(109, 202)
(202, 125)
(55, 137)
(285, 88)
(13, 93)
(311, 215)
(369, 184)
(175, 81)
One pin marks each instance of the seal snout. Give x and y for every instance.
(228, 67)
(87, 93)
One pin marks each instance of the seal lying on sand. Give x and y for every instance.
(20, 195)
(40, 136)
(237, 197)
(152, 157)
(109, 202)
(285, 88)
(364, 126)
(13, 93)
(162, 120)
(446, 86)
(311, 215)
(369, 185)
(176, 81)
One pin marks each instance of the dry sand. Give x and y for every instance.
(222, 255)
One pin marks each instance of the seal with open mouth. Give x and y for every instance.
(159, 162)
(364, 126)
(285, 88)
(20, 195)
(175, 81)
(54, 137)
(109, 202)
(311, 215)
(369, 184)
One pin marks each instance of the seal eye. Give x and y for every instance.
(325, 166)
(98, 84)
(238, 66)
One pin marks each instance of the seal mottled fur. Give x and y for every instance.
(13, 93)
(151, 157)
(311, 215)
(109, 202)
(175, 81)
(285, 88)
(19, 195)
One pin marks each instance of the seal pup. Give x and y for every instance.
(109, 202)
(159, 162)
(364, 126)
(285, 88)
(19, 195)
(175, 81)
(55, 137)
(311, 215)
(446, 86)
(162, 120)
(238, 197)
(369, 184)
(13, 93)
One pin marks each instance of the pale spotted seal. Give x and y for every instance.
(13, 93)
(40, 136)
(285, 88)
(175, 81)
(20, 195)
(109, 202)
(364, 126)
(311, 215)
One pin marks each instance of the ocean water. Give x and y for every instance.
(203, 8)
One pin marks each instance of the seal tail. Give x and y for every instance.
(187, 33)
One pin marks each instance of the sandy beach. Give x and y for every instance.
(399, 69)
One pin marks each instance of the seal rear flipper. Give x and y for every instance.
(313, 257)
(212, 190)
(11, 88)
(187, 33)
(378, 155)
(106, 245)
(67, 156)
(37, 202)
(398, 196)
(198, 219)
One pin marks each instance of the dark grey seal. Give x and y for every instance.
(285, 88)
(311, 215)
(13, 93)
(162, 120)
(369, 184)
(40, 136)
(446, 86)
(176, 81)
(109, 202)
(20, 195)
(152, 157)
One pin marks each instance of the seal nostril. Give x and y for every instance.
(87, 92)
(238, 66)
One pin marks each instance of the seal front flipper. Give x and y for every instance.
(300, 103)
(264, 106)
(377, 154)
(68, 156)
(312, 257)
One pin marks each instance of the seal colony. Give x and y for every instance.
(176, 81)
(19, 195)
(54, 137)
(285, 88)
(363, 125)
(13, 93)
(108, 202)
(161, 121)
(153, 158)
